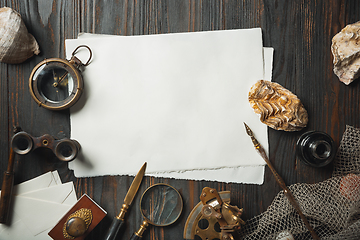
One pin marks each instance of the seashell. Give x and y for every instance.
(278, 107)
(285, 235)
(16, 44)
(346, 52)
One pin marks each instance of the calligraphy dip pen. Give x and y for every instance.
(280, 181)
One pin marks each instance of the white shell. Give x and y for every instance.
(285, 235)
(16, 44)
(346, 51)
(278, 107)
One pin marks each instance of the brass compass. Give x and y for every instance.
(56, 83)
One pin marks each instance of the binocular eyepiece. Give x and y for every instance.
(65, 149)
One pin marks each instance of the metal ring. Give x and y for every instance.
(80, 46)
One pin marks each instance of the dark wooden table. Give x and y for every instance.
(300, 32)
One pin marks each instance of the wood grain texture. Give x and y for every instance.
(300, 32)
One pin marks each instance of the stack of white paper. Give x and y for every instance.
(177, 101)
(38, 205)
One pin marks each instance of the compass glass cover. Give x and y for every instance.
(54, 82)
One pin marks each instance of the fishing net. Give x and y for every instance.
(332, 207)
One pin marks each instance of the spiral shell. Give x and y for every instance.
(346, 52)
(278, 107)
(16, 44)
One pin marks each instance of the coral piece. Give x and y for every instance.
(16, 44)
(346, 51)
(278, 107)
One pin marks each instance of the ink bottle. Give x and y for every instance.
(315, 148)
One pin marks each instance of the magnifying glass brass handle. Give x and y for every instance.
(138, 235)
(114, 228)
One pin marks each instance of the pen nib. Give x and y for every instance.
(251, 134)
(248, 130)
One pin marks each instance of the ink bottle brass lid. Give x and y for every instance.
(315, 148)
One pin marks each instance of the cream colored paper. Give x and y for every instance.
(177, 101)
(242, 174)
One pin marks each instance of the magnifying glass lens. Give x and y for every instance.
(161, 205)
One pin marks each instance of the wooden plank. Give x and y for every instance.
(299, 31)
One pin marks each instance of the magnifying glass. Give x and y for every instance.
(160, 205)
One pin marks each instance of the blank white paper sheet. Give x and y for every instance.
(176, 101)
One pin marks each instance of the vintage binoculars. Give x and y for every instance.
(65, 149)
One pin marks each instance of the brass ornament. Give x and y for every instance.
(212, 231)
(77, 223)
(213, 217)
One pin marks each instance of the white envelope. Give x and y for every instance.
(35, 211)
(59, 193)
(46, 180)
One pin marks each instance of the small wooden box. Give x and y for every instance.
(84, 202)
